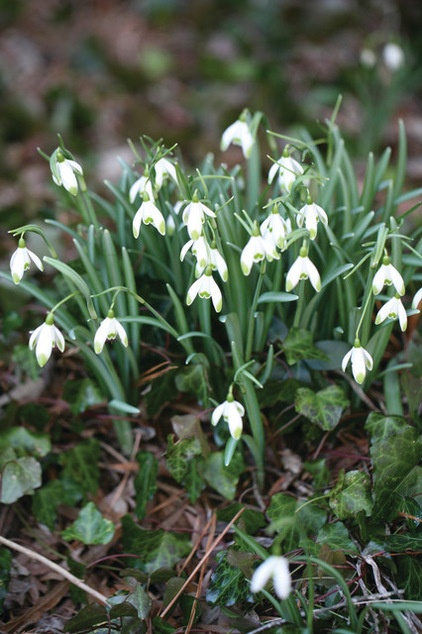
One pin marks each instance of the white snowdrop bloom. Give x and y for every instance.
(207, 288)
(387, 275)
(302, 269)
(275, 568)
(109, 329)
(194, 217)
(44, 339)
(417, 299)
(257, 249)
(21, 261)
(275, 227)
(219, 263)
(141, 186)
(164, 168)
(311, 214)
(368, 58)
(238, 133)
(393, 309)
(393, 56)
(148, 214)
(64, 171)
(287, 169)
(360, 359)
(202, 252)
(231, 411)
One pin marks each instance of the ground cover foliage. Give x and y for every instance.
(157, 518)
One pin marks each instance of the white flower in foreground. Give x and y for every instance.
(109, 329)
(231, 411)
(21, 261)
(303, 269)
(393, 309)
(207, 288)
(44, 338)
(311, 214)
(64, 170)
(393, 56)
(257, 249)
(141, 186)
(238, 133)
(360, 359)
(288, 169)
(275, 228)
(277, 569)
(387, 275)
(417, 299)
(148, 214)
(194, 217)
(164, 168)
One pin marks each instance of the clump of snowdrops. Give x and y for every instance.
(237, 264)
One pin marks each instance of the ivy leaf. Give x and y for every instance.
(336, 536)
(180, 454)
(90, 527)
(324, 408)
(396, 449)
(50, 495)
(145, 481)
(299, 345)
(155, 548)
(351, 495)
(25, 442)
(293, 521)
(409, 576)
(81, 394)
(228, 583)
(220, 477)
(193, 379)
(19, 477)
(91, 616)
(81, 465)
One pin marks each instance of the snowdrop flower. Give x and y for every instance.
(164, 168)
(44, 339)
(148, 214)
(109, 329)
(257, 249)
(21, 261)
(393, 309)
(303, 269)
(238, 133)
(387, 275)
(393, 56)
(207, 288)
(201, 250)
(141, 186)
(277, 569)
(417, 299)
(288, 169)
(64, 170)
(218, 263)
(194, 217)
(360, 359)
(231, 411)
(368, 58)
(276, 228)
(311, 214)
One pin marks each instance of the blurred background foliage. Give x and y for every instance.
(100, 71)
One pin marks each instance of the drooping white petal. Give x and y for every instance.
(140, 187)
(360, 360)
(277, 569)
(43, 339)
(163, 168)
(238, 133)
(21, 261)
(387, 275)
(109, 329)
(393, 309)
(417, 299)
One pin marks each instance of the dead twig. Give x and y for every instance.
(100, 598)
